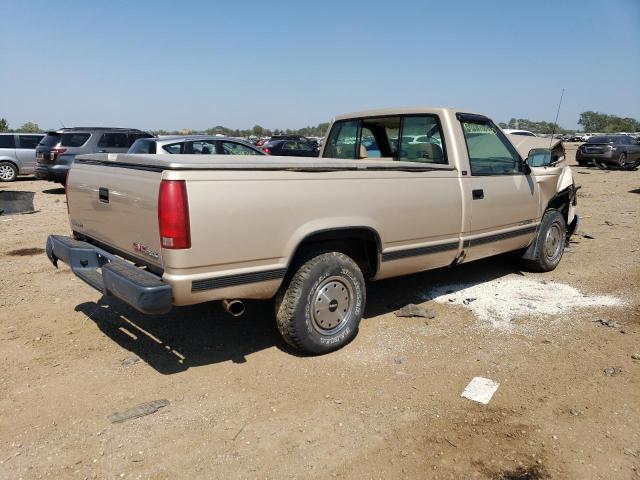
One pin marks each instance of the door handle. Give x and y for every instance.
(103, 195)
(478, 194)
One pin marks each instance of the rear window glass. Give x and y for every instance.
(7, 141)
(74, 139)
(143, 146)
(50, 140)
(602, 139)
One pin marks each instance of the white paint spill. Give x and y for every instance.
(480, 390)
(498, 302)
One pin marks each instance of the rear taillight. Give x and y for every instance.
(173, 215)
(266, 150)
(56, 151)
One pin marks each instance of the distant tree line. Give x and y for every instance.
(28, 127)
(603, 123)
(589, 121)
(536, 127)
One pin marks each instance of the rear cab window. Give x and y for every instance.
(406, 138)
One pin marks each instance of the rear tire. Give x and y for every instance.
(319, 308)
(8, 172)
(549, 243)
(622, 160)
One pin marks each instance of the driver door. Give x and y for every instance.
(503, 195)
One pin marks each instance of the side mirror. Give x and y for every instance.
(541, 157)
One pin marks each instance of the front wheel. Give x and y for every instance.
(549, 244)
(622, 160)
(319, 308)
(8, 172)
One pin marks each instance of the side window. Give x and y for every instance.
(74, 139)
(114, 140)
(7, 141)
(305, 146)
(290, 146)
(422, 140)
(232, 148)
(203, 147)
(174, 148)
(29, 141)
(490, 153)
(342, 140)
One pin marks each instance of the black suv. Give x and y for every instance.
(57, 150)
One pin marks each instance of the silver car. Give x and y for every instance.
(17, 154)
(193, 144)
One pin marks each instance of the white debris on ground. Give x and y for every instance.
(498, 302)
(480, 390)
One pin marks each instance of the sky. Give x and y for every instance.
(286, 64)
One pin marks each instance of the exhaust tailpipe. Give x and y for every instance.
(233, 307)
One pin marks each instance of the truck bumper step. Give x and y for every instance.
(111, 275)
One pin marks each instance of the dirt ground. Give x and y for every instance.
(241, 405)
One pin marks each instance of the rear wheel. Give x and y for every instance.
(622, 160)
(319, 308)
(549, 243)
(8, 172)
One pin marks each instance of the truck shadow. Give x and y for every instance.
(187, 336)
(205, 334)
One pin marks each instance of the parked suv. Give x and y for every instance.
(58, 149)
(17, 154)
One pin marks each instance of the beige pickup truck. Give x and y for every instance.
(393, 192)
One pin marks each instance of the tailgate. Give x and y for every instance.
(116, 206)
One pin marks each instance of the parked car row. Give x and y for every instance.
(50, 156)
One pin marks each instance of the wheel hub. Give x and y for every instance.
(6, 172)
(552, 242)
(332, 305)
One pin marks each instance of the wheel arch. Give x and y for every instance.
(362, 243)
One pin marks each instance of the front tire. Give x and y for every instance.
(622, 160)
(8, 172)
(549, 244)
(318, 310)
